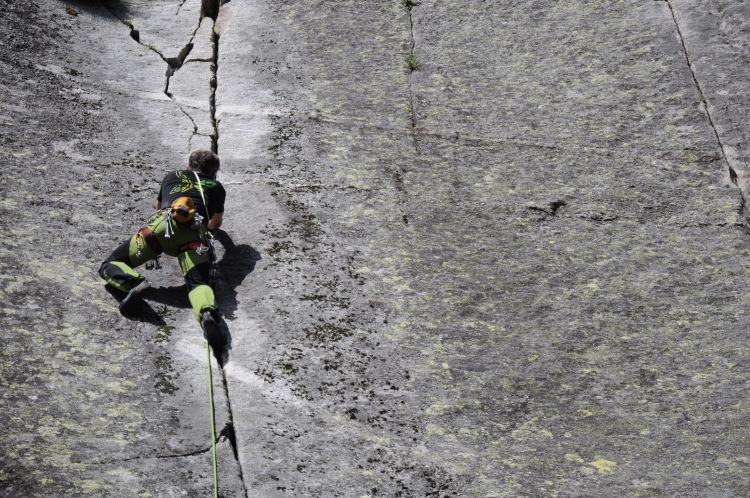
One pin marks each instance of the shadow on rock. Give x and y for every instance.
(102, 8)
(238, 262)
(176, 296)
(142, 311)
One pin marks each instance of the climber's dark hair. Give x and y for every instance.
(204, 162)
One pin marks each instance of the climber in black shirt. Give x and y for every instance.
(199, 183)
(190, 203)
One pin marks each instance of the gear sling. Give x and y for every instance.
(188, 241)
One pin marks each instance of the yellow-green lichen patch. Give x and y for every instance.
(120, 386)
(530, 431)
(92, 487)
(122, 473)
(573, 457)
(604, 466)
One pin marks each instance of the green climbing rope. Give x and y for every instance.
(213, 420)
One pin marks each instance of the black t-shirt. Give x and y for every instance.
(183, 183)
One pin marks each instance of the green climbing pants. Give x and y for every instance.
(188, 242)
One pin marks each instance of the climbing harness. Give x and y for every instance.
(145, 237)
(213, 420)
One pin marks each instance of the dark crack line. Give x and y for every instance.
(173, 64)
(698, 86)
(142, 457)
(732, 173)
(212, 8)
(212, 95)
(209, 8)
(195, 126)
(229, 431)
(554, 208)
(397, 171)
(180, 7)
(413, 115)
(135, 34)
(183, 455)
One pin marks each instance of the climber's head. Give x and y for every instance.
(204, 162)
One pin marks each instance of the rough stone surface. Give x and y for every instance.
(524, 212)
(471, 248)
(717, 38)
(203, 46)
(191, 90)
(94, 404)
(166, 26)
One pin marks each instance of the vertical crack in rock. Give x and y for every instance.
(210, 8)
(212, 94)
(412, 64)
(398, 171)
(732, 172)
(229, 432)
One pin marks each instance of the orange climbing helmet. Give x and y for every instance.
(183, 210)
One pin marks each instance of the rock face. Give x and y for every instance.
(471, 248)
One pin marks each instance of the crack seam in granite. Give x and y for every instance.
(211, 8)
(409, 6)
(212, 95)
(180, 7)
(173, 64)
(227, 433)
(742, 210)
(143, 457)
(228, 430)
(397, 171)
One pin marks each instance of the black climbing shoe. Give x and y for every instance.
(212, 332)
(132, 298)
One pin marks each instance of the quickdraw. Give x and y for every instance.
(169, 229)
